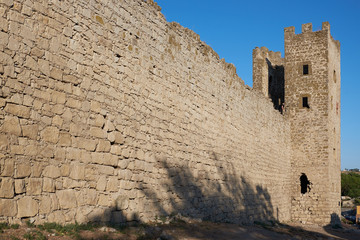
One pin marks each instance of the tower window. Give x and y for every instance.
(305, 69)
(305, 102)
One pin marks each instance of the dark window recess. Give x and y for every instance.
(305, 102)
(305, 184)
(305, 69)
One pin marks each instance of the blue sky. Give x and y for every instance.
(233, 28)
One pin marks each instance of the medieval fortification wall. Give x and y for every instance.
(110, 113)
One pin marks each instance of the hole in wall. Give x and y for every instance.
(305, 69)
(305, 184)
(305, 102)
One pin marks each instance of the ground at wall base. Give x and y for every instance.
(182, 230)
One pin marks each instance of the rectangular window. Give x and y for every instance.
(305, 102)
(305, 69)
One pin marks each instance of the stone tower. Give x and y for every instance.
(312, 99)
(307, 80)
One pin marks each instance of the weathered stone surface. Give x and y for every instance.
(18, 110)
(77, 171)
(50, 134)
(6, 188)
(7, 169)
(103, 146)
(8, 207)
(19, 186)
(30, 131)
(48, 185)
(27, 207)
(22, 170)
(4, 143)
(101, 183)
(11, 125)
(51, 171)
(67, 198)
(34, 186)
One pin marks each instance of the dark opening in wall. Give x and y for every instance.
(305, 102)
(306, 69)
(304, 183)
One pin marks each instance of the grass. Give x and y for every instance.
(4, 226)
(34, 235)
(39, 232)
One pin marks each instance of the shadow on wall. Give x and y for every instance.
(216, 193)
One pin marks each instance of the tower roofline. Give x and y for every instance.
(306, 27)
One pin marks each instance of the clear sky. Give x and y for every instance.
(233, 28)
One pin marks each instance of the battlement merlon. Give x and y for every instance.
(305, 28)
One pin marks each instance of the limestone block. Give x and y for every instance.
(44, 66)
(48, 185)
(30, 131)
(8, 169)
(4, 39)
(95, 106)
(67, 198)
(45, 205)
(76, 129)
(65, 170)
(50, 134)
(123, 163)
(31, 63)
(109, 160)
(4, 143)
(103, 146)
(97, 132)
(22, 170)
(104, 200)
(86, 197)
(54, 202)
(6, 188)
(16, 149)
(116, 149)
(34, 186)
(77, 171)
(37, 52)
(37, 169)
(8, 207)
(87, 144)
(73, 103)
(101, 183)
(64, 139)
(112, 184)
(2, 100)
(57, 121)
(56, 74)
(11, 125)
(51, 171)
(31, 150)
(99, 121)
(109, 126)
(27, 207)
(57, 216)
(19, 186)
(116, 137)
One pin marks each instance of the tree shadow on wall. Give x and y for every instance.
(216, 193)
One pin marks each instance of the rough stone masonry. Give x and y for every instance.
(109, 113)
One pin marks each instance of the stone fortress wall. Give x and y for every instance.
(110, 113)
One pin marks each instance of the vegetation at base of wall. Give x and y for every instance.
(350, 184)
(4, 226)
